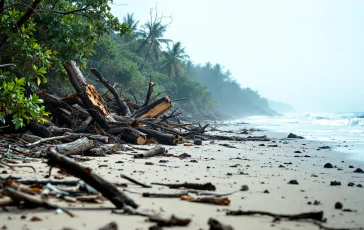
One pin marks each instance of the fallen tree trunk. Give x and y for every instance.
(107, 189)
(44, 131)
(132, 136)
(84, 125)
(154, 109)
(162, 138)
(89, 96)
(156, 151)
(79, 146)
(122, 107)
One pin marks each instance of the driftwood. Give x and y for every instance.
(155, 109)
(47, 181)
(207, 200)
(122, 107)
(133, 136)
(84, 125)
(164, 195)
(173, 221)
(79, 146)
(207, 186)
(44, 131)
(134, 181)
(30, 200)
(149, 93)
(89, 95)
(162, 138)
(108, 190)
(156, 151)
(216, 225)
(301, 216)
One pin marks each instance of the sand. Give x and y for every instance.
(256, 166)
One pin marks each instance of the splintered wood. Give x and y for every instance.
(96, 99)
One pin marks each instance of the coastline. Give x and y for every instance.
(256, 166)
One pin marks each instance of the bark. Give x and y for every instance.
(79, 146)
(44, 131)
(154, 109)
(162, 138)
(29, 200)
(30, 138)
(89, 96)
(107, 189)
(149, 93)
(133, 136)
(84, 125)
(156, 151)
(122, 107)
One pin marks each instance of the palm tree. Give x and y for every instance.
(133, 26)
(152, 35)
(174, 56)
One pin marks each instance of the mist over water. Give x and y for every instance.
(343, 131)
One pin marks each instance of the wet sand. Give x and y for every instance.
(260, 167)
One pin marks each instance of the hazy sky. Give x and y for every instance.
(308, 53)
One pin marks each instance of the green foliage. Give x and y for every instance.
(37, 44)
(14, 103)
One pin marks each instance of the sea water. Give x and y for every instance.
(343, 131)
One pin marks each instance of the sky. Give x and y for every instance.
(307, 53)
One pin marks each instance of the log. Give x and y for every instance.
(155, 109)
(30, 200)
(135, 181)
(301, 216)
(79, 146)
(30, 138)
(156, 151)
(133, 136)
(84, 125)
(122, 107)
(89, 95)
(107, 189)
(47, 181)
(162, 138)
(207, 186)
(149, 93)
(95, 152)
(216, 225)
(44, 131)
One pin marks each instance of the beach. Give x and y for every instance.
(265, 167)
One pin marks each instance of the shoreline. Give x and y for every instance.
(254, 165)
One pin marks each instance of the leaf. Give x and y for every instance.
(42, 70)
(38, 81)
(34, 67)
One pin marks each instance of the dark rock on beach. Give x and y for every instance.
(292, 135)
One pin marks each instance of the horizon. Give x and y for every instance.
(309, 51)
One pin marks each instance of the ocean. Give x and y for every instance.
(343, 131)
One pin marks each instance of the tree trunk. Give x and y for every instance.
(122, 107)
(154, 109)
(162, 138)
(107, 189)
(156, 151)
(79, 146)
(89, 96)
(132, 136)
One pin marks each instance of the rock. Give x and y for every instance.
(184, 155)
(244, 188)
(163, 161)
(324, 147)
(193, 161)
(316, 202)
(281, 166)
(359, 170)
(197, 141)
(292, 135)
(149, 163)
(328, 166)
(359, 186)
(261, 145)
(351, 184)
(338, 205)
(335, 183)
(274, 146)
(351, 167)
(35, 218)
(266, 191)
(293, 182)
(297, 151)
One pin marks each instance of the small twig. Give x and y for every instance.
(134, 181)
